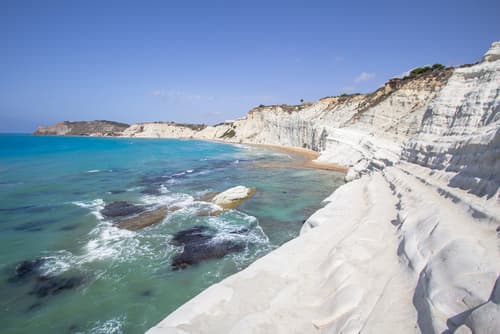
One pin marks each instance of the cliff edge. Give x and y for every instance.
(92, 128)
(411, 245)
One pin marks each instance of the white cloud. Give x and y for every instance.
(364, 76)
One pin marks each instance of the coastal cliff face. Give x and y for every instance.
(92, 128)
(409, 246)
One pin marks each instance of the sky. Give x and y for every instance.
(209, 61)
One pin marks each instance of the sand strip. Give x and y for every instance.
(302, 158)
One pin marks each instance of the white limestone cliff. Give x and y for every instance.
(411, 245)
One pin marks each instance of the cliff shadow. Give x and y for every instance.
(477, 167)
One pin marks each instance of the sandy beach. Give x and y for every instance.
(302, 158)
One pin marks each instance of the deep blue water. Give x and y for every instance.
(92, 277)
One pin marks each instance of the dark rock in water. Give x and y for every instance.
(29, 272)
(194, 235)
(68, 227)
(151, 190)
(29, 227)
(34, 226)
(16, 209)
(200, 245)
(145, 219)
(147, 293)
(25, 269)
(73, 328)
(34, 306)
(39, 209)
(49, 286)
(194, 254)
(120, 209)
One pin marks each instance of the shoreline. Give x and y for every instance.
(303, 157)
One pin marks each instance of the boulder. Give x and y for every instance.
(121, 209)
(200, 245)
(233, 197)
(145, 219)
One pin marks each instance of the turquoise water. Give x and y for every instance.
(92, 277)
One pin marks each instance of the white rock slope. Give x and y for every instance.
(410, 246)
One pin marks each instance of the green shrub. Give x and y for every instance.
(230, 133)
(438, 67)
(420, 70)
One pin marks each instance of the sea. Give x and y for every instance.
(65, 267)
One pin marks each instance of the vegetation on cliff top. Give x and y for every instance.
(420, 70)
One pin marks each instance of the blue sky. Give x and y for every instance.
(207, 61)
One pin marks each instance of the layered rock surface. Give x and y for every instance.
(411, 245)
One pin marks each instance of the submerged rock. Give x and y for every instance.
(145, 219)
(200, 245)
(194, 254)
(197, 234)
(29, 272)
(26, 269)
(48, 285)
(151, 190)
(233, 197)
(120, 209)
(34, 306)
(34, 226)
(146, 293)
(29, 227)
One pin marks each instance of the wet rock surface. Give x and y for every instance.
(145, 219)
(53, 285)
(26, 269)
(200, 245)
(121, 209)
(196, 234)
(29, 272)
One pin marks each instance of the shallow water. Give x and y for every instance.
(96, 278)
